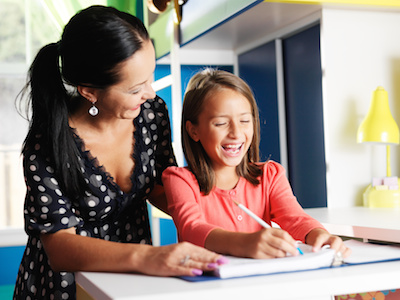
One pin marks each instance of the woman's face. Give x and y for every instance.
(123, 100)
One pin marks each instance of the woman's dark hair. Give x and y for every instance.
(199, 88)
(94, 43)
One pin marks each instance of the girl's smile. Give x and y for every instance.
(232, 149)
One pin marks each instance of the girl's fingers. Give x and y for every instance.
(284, 242)
(345, 251)
(334, 242)
(274, 243)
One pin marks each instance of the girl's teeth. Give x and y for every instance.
(232, 148)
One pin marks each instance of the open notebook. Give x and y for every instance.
(361, 253)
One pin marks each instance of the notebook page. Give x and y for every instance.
(366, 252)
(238, 267)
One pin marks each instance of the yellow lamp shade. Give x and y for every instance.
(379, 125)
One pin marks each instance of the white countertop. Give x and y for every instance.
(310, 285)
(378, 224)
(362, 222)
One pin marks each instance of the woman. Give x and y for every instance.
(98, 141)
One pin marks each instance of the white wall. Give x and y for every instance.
(12, 187)
(360, 50)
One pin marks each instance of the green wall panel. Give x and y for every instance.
(200, 16)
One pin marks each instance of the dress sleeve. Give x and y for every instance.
(46, 209)
(164, 152)
(285, 210)
(182, 191)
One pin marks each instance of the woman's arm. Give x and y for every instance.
(68, 251)
(158, 198)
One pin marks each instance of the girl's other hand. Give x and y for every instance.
(319, 237)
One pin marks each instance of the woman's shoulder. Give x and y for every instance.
(153, 111)
(35, 145)
(156, 104)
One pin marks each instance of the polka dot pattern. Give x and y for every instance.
(103, 212)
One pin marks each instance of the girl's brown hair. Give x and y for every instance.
(200, 86)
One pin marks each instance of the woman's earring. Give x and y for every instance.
(93, 111)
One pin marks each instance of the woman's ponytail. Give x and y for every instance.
(49, 104)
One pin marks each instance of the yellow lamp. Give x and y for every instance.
(380, 127)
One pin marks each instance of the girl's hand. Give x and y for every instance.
(269, 243)
(266, 243)
(319, 237)
(181, 259)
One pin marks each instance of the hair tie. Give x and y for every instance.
(58, 45)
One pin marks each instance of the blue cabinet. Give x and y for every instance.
(302, 80)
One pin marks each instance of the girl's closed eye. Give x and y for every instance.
(219, 123)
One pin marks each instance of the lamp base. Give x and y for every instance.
(374, 197)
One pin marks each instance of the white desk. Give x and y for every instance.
(316, 285)
(361, 222)
(379, 224)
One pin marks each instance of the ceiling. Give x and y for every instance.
(261, 20)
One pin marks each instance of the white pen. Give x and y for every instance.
(253, 215)
(257, 219)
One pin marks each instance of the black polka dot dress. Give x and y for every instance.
(104, 212)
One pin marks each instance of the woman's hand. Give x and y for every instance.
(319, 237)
(182, 259)
(68, 251)
(266, 243)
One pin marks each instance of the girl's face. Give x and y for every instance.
(123, 100)
(224, 128)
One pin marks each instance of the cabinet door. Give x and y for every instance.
(304, 117)
(258, 68)
(302, 77)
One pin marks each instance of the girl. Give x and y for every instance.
(220, 130)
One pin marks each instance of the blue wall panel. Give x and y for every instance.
(168, 233)
(258, 68)
(304, 117)
(10, 259)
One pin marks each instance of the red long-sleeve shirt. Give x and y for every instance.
(196, 215)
